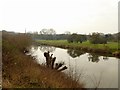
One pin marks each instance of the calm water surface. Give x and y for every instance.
(91, 69)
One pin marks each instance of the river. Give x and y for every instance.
(91, 69)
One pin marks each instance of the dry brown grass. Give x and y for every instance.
(21, 71)
(27, 73)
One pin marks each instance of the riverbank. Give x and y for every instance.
(21, 71)
(109, 49)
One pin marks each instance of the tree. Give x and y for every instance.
(43, 31)
(36, 33)
(48, 31)
(51, 31)
(109, 37)
(72, 38)
(67, 32)
(82, 38)
(97, 38)
(77, 38)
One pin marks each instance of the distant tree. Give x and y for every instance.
(67, 32)
(97, 38)
(29, 32)
(119, 37)
(77, 38)
(116, 37)
(48, 31)
(72, 38)
(35, 32)
(43, 31)
(109, 37)
(82, 38)
(51, 31)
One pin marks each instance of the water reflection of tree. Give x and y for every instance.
(74, 53)
(105, 58)
(93, 57)
(35, 48)
(47, 48)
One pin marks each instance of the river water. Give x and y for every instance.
(91, 69)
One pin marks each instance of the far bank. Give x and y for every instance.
(109, 49)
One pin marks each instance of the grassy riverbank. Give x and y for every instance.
(21, 71)
(108, 48)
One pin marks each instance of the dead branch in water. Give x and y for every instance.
(50, 62)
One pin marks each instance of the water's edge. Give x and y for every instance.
(90, 68)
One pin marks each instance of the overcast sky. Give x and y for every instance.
(76, 16)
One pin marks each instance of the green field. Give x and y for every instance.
(109, 47)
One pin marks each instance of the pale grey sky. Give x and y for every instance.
(76, 16)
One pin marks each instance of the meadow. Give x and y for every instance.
(108, 48)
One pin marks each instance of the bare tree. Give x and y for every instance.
(48, 31)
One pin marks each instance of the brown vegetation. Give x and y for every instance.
(116, 54)
(21, 71)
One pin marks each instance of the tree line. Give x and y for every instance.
(94, 38)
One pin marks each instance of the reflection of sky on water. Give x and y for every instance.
(104, 67)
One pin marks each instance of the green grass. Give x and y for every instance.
(109, 47)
